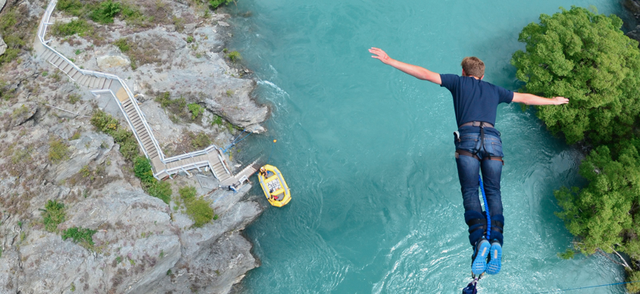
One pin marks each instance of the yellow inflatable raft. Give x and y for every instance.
(274, 186)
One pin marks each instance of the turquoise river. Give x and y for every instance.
(368, 150)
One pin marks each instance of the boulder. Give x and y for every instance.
(23, 113)
(3, 45)
(109, 61)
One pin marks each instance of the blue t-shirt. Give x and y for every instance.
(475, 100)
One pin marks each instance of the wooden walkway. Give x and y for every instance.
(209, 159)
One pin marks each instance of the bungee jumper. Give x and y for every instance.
(478, 148)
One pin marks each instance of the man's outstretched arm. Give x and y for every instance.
(414, 70)
(530, 99)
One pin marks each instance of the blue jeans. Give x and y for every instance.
(468, 170)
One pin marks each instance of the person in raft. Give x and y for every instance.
(478, 147)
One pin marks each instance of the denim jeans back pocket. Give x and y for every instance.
(493, 146)
(468, 142)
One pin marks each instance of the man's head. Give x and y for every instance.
(472, 66)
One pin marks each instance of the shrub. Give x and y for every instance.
(234, 56)
(53, 215)
(187, 193)
(76, 135)
(160, 190)
(164, 99)
(108, 124)
(142, 169)
(155, 188)
(122, 44)
(132, 15)
(77, 26)
(200, 211)
(586, 57)
(105, 12)
(201, 140)
(104, 122)
(80, 235)
(73, 7)
(73, 98)
(8, 27)
(58, 150)
(17, 30)
(178, 22)
(195, 110)
(216, 3)
(216, 121)
(21, 155)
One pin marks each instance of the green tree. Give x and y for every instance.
(585, 57)
(605, 213)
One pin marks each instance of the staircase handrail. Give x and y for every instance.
(41, 33)
(191, 154)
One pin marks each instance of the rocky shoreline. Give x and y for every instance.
(141, 244)
(632, 19)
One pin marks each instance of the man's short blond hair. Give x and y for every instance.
(473, 66)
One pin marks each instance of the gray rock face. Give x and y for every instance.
(135, 242)
(3, 45)
(216, 257)
(633, 7)
(23, 113)
(90, 147)
(138, 249)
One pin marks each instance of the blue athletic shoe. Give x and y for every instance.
(480, 257)
(494, 265)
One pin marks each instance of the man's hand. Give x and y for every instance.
(379, 54)
(559, 100)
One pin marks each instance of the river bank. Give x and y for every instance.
(51, 152)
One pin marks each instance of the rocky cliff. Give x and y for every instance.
(51, 152)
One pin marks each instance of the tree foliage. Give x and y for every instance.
(216, 3)
(605, 213)
(585, 57)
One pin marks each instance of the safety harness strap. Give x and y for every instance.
(467, 153)
(497, 226)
